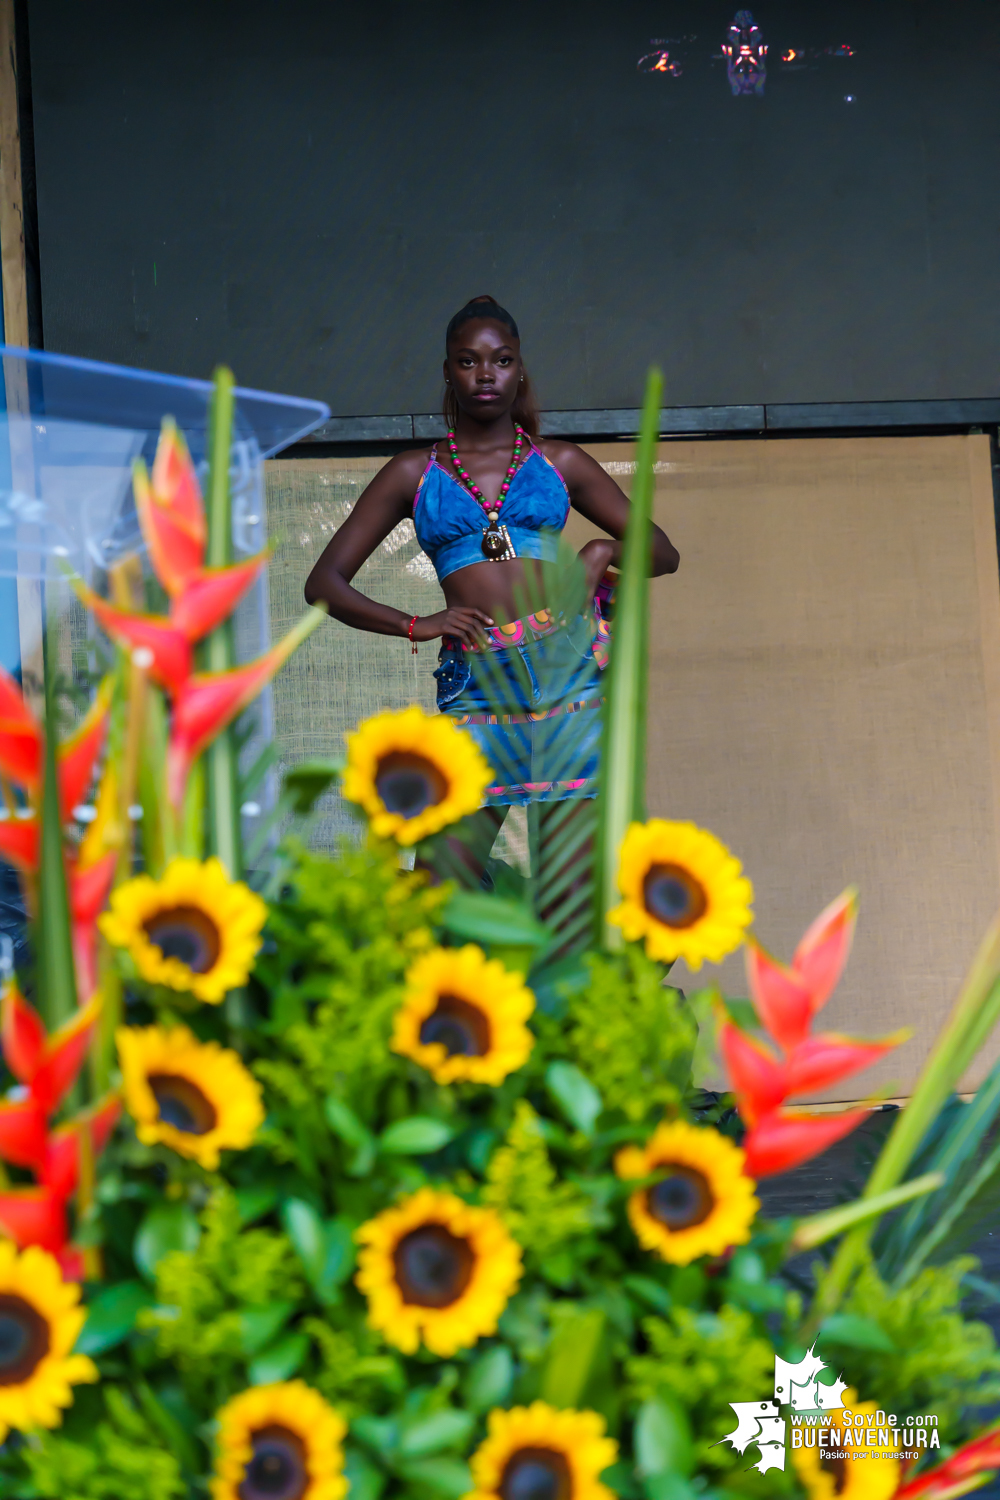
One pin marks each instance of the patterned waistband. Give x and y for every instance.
(527, 718)
(536, 627)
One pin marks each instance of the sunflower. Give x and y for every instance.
(435, 1269)
(40, 1321)
(538, 1453)
(195, 1097)
(683, 893)
(193, 930)
(463, 1016)
(413, 773)
(701, 1203)
(873, 1475)
(279, 1442)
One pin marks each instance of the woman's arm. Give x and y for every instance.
(386, 501)
(595, 495)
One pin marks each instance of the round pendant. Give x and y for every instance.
(494, 544)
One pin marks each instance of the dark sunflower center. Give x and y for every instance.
(408, 783)
(681, 1199)
(185, 933)
(839, 1467)
(461, 1028)
(182, 1104)
(536, 1474)
(673, 896)
(24, 1339)
(277, 1470)
(433, 1266)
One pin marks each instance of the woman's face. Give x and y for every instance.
(483, 368)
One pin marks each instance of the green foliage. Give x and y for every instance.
(122, 1458)
(705, 1360)
(203, 1296)
(522, 1185)
(344, 936)
(934, 1359)
(349, 1374)
(632, 1035)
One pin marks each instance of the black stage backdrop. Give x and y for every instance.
(307, 191)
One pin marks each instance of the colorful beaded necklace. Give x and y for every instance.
(496, 542)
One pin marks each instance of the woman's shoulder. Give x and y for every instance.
(565, 456)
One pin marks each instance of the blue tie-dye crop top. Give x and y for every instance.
(449, 523)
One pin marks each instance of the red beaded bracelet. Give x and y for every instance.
(409, 634)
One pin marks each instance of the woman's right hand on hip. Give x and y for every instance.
(468, 625)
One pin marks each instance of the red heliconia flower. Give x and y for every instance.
(35, 1216)
(207, 599)
(46, 1065)
(765, 1077)
(20, 737)
(209, 701)
(171, 512)
(784, 1139)
(966, 1469)
(60, 1168)
(787, 998)
(88, 891)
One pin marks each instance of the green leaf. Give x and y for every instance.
(649, 1291)
(662, 1438)
(167, 1227)
(493, 919)
(445, 1475)
(489, 1379)
(306, 1231)
(381, 1434)
(254, 1203)
(670, 1486)
(366, 1480)
(338, 1259)
(305, 783)
(258, 1325)
(347, 1127)
(111, 1316)
(417, 1135)
(571, 1358)
(281, 1361)
(856, 1333)
(623, 746)
(447, 1428)
(575, 1095)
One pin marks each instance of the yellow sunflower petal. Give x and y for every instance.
(432, 772)
(703, 1203)
(874, 1475)
(195, 1097)
(449, 1283)
(274, 1425)
(40, 1319)
(462, 1017)
(194, 930)
(571, 1443)
(684, 893)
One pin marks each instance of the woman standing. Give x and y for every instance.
(485, 510)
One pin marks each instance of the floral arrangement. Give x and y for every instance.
(345, 1179)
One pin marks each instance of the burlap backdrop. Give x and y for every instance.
(824, 693)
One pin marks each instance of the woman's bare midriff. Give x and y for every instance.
(504, 590)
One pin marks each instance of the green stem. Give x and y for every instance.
(223, 812)
(821, 1227)
(56, 970)
(973, 1016)
(623, 751)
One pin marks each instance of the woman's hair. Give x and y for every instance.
(525, 408)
